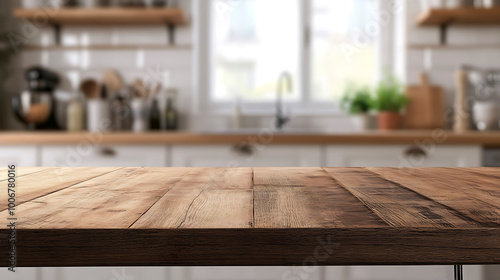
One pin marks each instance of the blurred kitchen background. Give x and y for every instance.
(250, 83)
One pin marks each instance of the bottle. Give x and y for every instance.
(121, 114)
(154, 117)
(171, 115)
(74, 116)
(99, 113)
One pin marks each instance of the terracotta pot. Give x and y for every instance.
(389, 120)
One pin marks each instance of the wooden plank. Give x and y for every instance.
(464, 193)
(20, 172)
(397, 206)
(126, 16)
(114, 200)
(306, 198)
(489, 139)
(469, 16)
(205, 198)
(259, 247)
(51, 180)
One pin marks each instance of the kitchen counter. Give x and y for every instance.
(254, 216)
(489, 139)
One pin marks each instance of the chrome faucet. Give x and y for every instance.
(281, 119)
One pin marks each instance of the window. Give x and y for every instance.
(252, 48)
(323, 44)
(342, 51)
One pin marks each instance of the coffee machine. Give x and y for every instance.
(36, 106)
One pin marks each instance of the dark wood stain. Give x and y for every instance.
(260, 216)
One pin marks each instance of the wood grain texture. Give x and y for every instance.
(396, 205)
(259, 247)
(489, 139)
(464, 193)
(37, 184)
(114, 16)
(306, 198)
(205, 198)
(469, 16)
(113, 200)
(260, 216)
(21, 172)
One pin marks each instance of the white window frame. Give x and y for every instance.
(204, 62)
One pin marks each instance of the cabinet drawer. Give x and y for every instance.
(23, 156)
(403, 156)
(104, 156)
(246, 156)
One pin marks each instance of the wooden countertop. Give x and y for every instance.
(259, 216)
(490, 139)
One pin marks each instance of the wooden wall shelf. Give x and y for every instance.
(170, 17)
(107, 47)
(102, 16)
(460, 16)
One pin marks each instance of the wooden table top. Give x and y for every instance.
(254, 216)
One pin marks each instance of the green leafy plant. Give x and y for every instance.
(389, 96)
(356, 100)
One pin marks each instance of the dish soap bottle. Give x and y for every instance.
(171, 114)
(74, 116)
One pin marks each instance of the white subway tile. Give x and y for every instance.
(30, 58)
(183, 36)
(447, 58)
(416, 59)
(44, 36)
(86, 35)
(65, 59)
(416, 34)
(141, 35)
(169, 59)
(473, 35)
(442, 78)
(115, 59)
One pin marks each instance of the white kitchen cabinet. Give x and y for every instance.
(246, 156)
(252, 273)
(104, 156)
(403, 156)
(23, 156)
(20, 274)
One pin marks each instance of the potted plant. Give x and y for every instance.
(357, 101)
(389, 101)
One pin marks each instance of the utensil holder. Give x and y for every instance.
(140, 115)
(98, 116)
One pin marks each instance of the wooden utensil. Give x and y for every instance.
(90, 88)
(462, 115)
(112, 80)
(139, 89)
(426, 109)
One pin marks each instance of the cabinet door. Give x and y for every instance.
(20, 274)
(253, 273)
(108, 273)
(403, 156)
(104, 156)
(23, 156)
(246, 156)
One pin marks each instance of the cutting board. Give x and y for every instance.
(426, 109)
